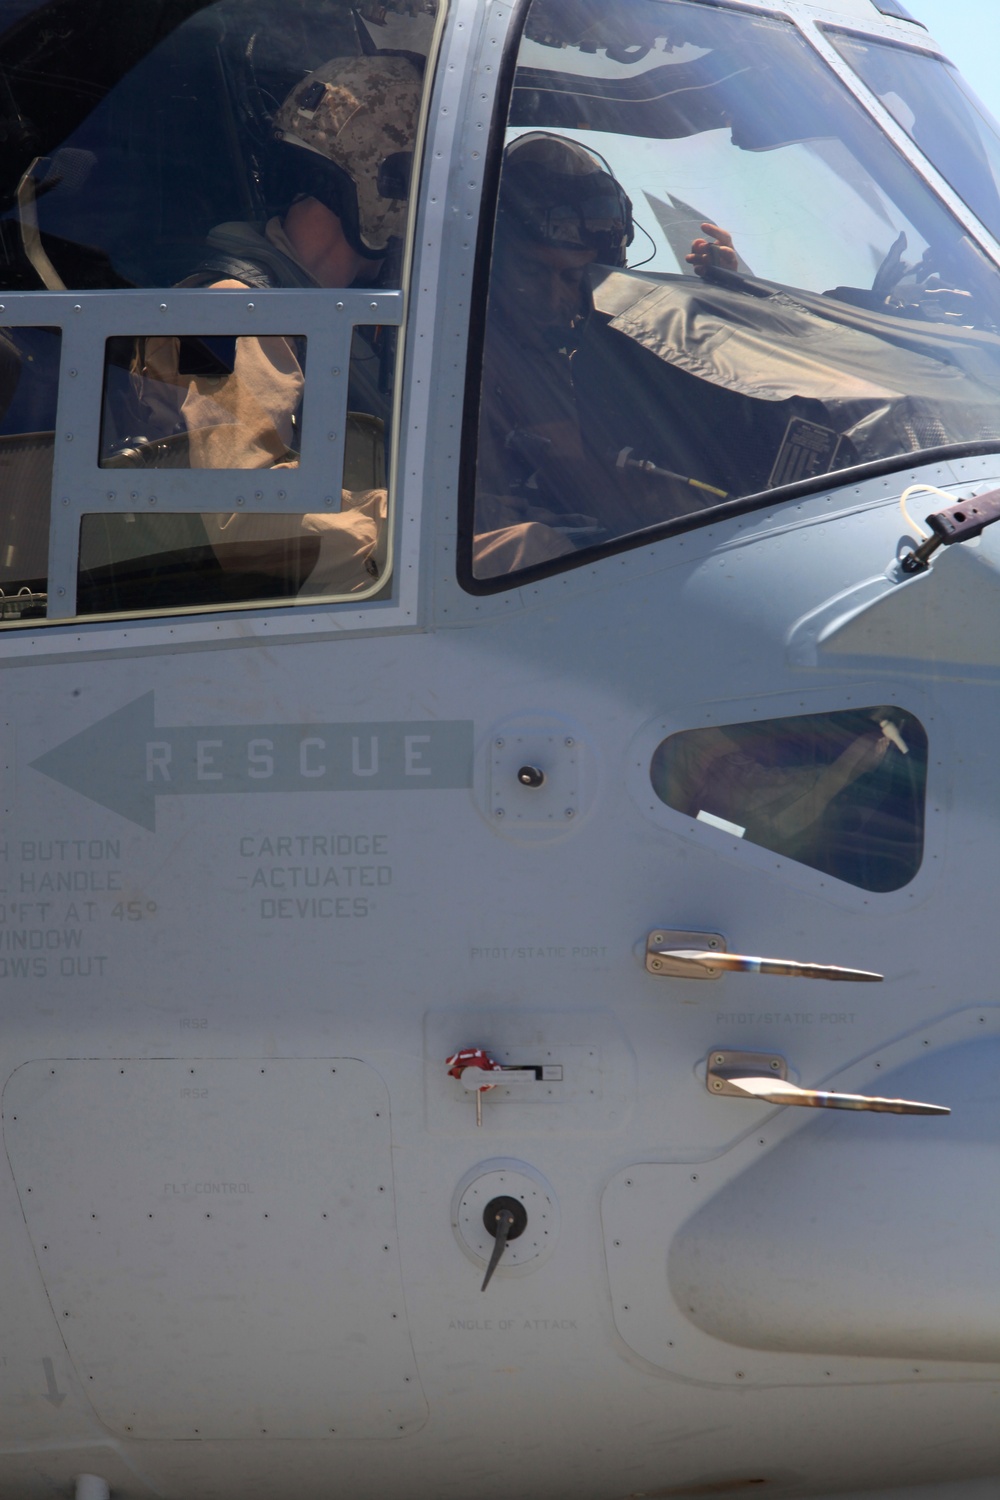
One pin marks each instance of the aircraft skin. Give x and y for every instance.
(264, 869)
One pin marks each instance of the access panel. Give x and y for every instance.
(237, 1218)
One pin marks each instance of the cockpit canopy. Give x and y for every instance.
(841, 314)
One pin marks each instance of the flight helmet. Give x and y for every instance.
(346, 135)
(553, 191)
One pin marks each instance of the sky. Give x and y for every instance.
(969, 34)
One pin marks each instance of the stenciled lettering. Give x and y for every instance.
(296, 877)
(74, 882)
(94, 850)
(260, 759)
(372, 767)
(308, 765)
(312, 845)
(158, 753)
(205, 759)
(83, 968)
(23, 968)
(412, 757)
(293, 908)
(39, 939)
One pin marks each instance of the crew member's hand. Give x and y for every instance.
(715, 252)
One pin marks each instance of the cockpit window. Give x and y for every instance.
(939, 112)
(132, 128)
(840, 792)
(712, 276)
(204, 206)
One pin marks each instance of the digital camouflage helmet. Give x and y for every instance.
(346, 135)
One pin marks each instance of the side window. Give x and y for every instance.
(29, 376)
(202, 225)
(938, 111)
(840, 792)
(711, 277)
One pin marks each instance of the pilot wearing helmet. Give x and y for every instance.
(342, 149)
(560, 209)
(561, 397)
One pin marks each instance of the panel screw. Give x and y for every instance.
(656, 963)
(570, 812)
(498, 813)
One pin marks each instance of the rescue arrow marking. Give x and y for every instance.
(53, 1394)
(124, 762)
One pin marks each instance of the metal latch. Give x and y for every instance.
(478, 1072)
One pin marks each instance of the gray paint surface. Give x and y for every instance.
(188, 949)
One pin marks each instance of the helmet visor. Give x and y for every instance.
(586, 212)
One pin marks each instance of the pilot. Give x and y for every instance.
(559, 211)
(555, 416)
(343, 146)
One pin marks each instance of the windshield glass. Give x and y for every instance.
(939, 112)
(712, 275)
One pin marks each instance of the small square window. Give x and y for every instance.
(841, 792)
